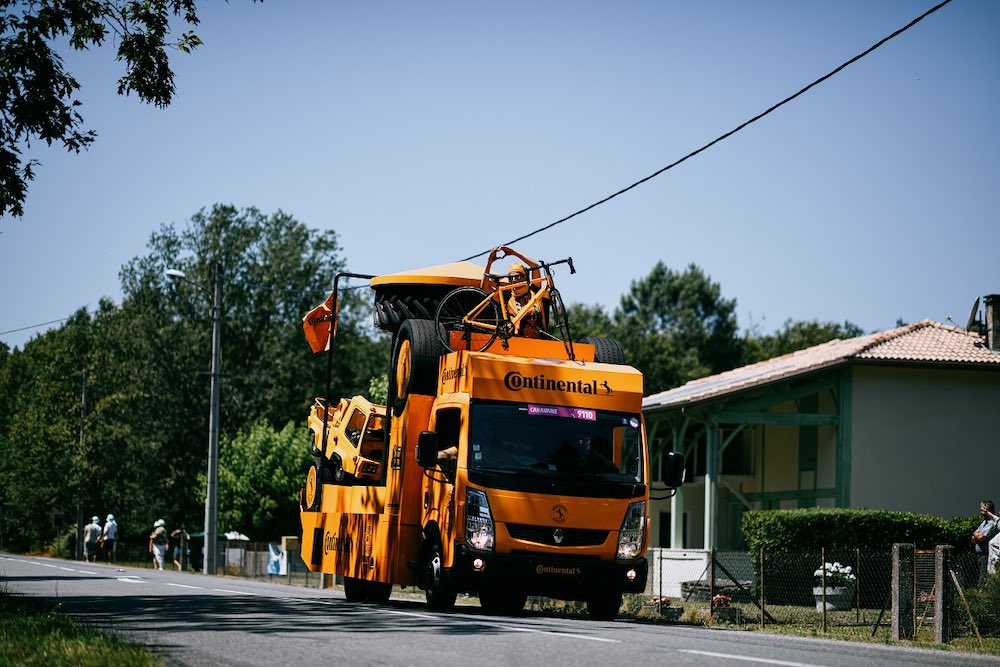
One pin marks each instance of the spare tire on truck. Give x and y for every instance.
(415, 355)
(606, 350)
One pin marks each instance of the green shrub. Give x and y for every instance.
(793, 542)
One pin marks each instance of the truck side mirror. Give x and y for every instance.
(427, 449)
(673, 469)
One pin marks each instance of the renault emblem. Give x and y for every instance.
(557, 535)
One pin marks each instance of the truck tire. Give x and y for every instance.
(606, 350)
(414, 362)
(361, 590)
(455, 306)
(502, 601)
(604, 605)
(439, 589)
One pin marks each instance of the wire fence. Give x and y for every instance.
(823, 588)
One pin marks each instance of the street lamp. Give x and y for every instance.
(212, 492)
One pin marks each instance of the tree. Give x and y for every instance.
(794, 336)
(260, 473)
(677, 327)
(37, 94)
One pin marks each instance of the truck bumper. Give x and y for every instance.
(562, 577)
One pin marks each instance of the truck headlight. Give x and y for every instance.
(632, 532)
(479, 531)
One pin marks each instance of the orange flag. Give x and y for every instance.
(316, 325)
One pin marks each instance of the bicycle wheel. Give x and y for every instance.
(479, 331)
(560, 320)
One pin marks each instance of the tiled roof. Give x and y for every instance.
(924, 342)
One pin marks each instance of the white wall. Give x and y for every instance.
(925, 440)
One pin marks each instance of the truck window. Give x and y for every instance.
(556, 441)
(448, 427)
(354, 426)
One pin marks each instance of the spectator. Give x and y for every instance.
(91, 534)
(180, 538)
(158, 543)
(987, 530)
(110, 538)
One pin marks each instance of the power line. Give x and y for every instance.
(727, 134)
(33, 326)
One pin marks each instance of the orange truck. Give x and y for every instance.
(503, 466)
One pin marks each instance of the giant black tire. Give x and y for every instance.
(604, 605)
(414, 368)
(455, 306)
(438, 587)
(606, 350)
(396, 304)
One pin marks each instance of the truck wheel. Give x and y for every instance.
(361, 590)
(337, 471)
(604, 606)
(455, 306)
(354, 589)
(440, 591)
(606, 350)
(501, 601)
(414, 362)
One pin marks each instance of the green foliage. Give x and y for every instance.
(34, 635)
(378, 389)
(260, 473)
(794, 336)
(39, 97)
(984, 603)
(837, 528)
(138, 449)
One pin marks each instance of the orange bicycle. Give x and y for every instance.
(510, 308)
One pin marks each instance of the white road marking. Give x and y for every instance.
(67, 569)
(86, 572)
(131, 580)
(747, 658)
(224, 590)
(566, 635)
(199, 588)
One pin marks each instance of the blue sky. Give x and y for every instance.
(427, 132)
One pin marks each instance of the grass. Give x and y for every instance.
(33, 635)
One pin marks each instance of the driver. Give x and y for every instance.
(531, 323)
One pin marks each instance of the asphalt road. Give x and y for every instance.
(191, 619)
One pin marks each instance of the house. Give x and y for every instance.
(906, 419)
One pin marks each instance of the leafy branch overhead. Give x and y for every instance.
(38, 96)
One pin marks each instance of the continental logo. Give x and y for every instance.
(453, 373)
(554, 569)
(514, 381)
(336, 543)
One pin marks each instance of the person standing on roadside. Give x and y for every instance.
(158, 543)
(110, 537)
(91, 533)
(987, 530)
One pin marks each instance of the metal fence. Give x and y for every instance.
(781, 587)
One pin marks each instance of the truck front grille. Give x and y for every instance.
(550, 535)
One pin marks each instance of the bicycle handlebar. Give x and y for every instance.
(541, 265)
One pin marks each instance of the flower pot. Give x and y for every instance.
(727, 614)
(836, 598)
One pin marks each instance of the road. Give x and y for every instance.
(191, 619)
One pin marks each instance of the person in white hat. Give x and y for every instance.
(90, 536)
(110, 537)
(158, 543)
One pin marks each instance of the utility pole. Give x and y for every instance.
(212, 492)
(79, 479)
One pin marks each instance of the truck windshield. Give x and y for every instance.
(556, 441)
